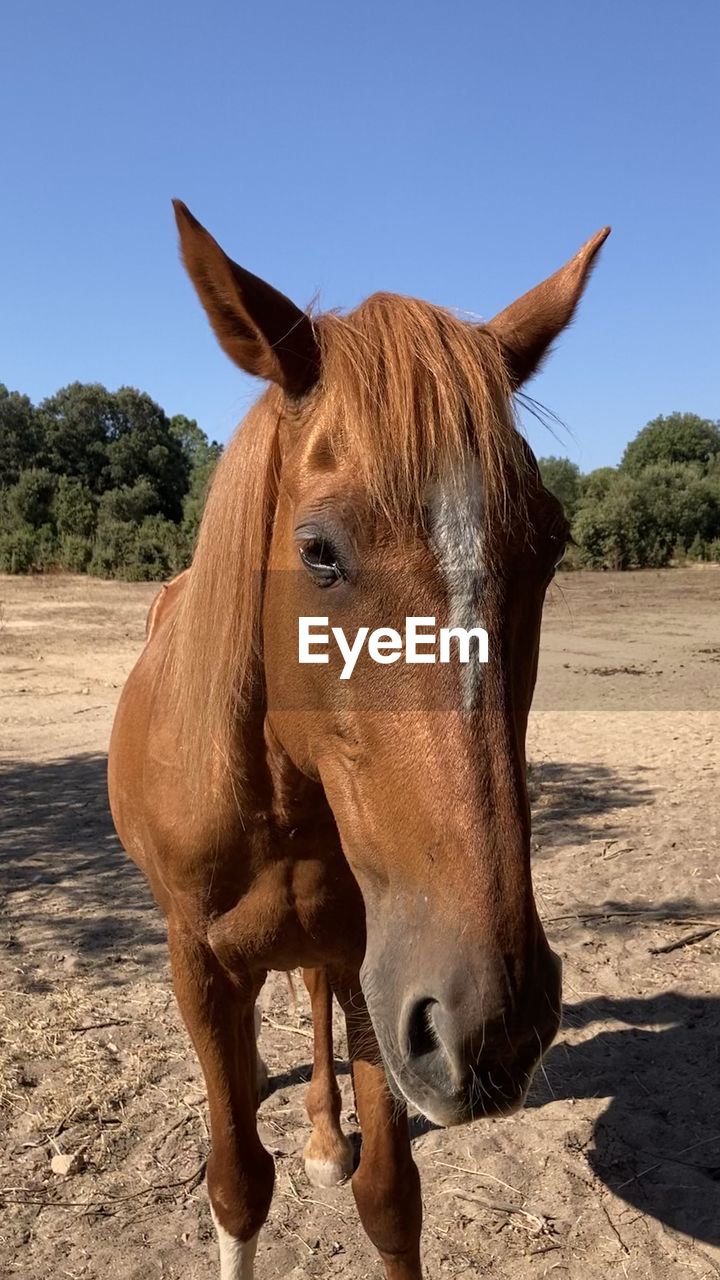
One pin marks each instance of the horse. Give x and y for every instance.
(373, 832)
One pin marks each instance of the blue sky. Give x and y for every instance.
(459, 152)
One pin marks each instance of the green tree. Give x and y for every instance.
(74, 553)
(130, 502)
(113, 549)
(649, 518)
(142, 445)
(679, 437)
(73, 507)
(595, 484)
(21, 436)
(77, 422)
(29, 501)
(194, 443)
(562, 477)
(100, 481)
(17, 550)
(610, 533)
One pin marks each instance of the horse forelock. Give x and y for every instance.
(414, 392)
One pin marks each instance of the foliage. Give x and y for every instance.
(594, 486)
(660, 506)
(129, 502)
(73, 508)
(666, 512)
(74, 552)
(77, 424)
(145, 447)
(101, 482)
(20, 436)
(17, 549)
(29, 500)
(680, 437)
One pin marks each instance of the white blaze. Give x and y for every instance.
(456, 522)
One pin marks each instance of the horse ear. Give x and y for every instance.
(258, 327)
(528, 326)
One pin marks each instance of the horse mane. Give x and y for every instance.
(408, 391)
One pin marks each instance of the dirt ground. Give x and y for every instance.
(613, 1168)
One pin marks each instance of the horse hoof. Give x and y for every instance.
(329, 1170)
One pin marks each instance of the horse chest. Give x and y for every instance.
(306, 912)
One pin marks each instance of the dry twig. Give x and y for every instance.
(687, 941)
(641, 913)
(282, 1026)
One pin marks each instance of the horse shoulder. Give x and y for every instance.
(164, 603)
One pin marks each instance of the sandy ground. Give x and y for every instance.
(612, 1170)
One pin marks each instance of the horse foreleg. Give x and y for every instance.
(386, 1183)
(328, 1153)
(219, 1014)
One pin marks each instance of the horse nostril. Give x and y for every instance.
(421, 1038)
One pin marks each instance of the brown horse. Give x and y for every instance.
(374, 831)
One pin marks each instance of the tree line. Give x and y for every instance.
(660, 505)
(99, 481)
(105, 482)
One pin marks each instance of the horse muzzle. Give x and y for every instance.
(456, 1058)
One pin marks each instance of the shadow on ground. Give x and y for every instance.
(68, 888)
(70, 884)
(657, 1143)
(567, 798)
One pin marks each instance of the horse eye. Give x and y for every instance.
(320, 560)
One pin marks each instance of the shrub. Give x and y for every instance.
(195, 499)
(610, 533)
(45, 554)
(29, 501)
(129, 503)
(594, 486)
(21, 436)
(75, 553)
(149, 552)
(158, 552)
(697, 550)
(27, 550)
(73, 508)
(649, 518)
(17, 550)
(573, 559)
(113, 548)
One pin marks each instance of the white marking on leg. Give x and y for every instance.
(237, 1257)
(456, 529)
